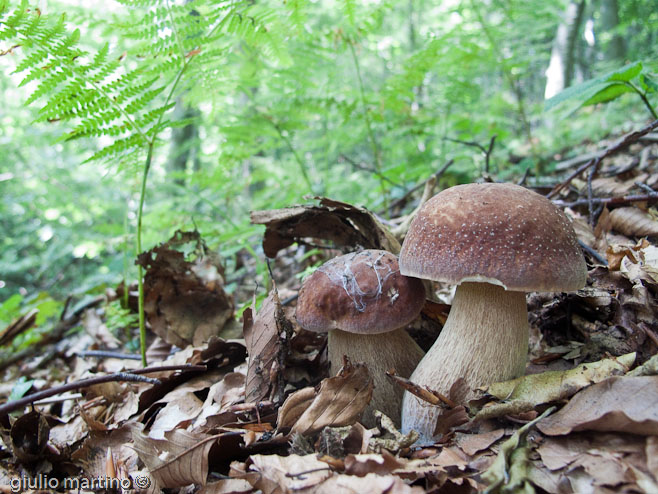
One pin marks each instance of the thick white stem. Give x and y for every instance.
(484, 340)
(380, 352)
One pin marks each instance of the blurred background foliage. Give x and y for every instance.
(355, 100)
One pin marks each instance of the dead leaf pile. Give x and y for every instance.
(263, 414)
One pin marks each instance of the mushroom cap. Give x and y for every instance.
(502, 234)
(361, 293)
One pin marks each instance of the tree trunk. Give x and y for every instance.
(612, 43)
(184, 142)
(561, 68)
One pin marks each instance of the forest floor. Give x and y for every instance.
(204, 418)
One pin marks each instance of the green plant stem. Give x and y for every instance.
(644, 98)
(371, 135)
(140, 269)
(298, 159)
(175, 30)
(142, 196)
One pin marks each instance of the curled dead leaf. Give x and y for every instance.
(633, 222)
(341, 223)
(338, 401)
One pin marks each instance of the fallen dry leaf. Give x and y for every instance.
(227, 486)
(261, 335)
(285, 474)
(177, 413)
(601, 459)
(633, 222)
(472, 443)
(343, 224)
(363, 464)
(178, 460)
(339, 401)
(371, 484)
(29, 436)
(509, 471)
(623, 404)
(184, 300)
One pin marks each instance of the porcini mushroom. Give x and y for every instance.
(364, 303)
(496, 242)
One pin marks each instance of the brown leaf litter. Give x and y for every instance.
(581, 420)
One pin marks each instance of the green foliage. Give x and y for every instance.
(358, 101)
(119, 319)
(21, 386)
(609, 87)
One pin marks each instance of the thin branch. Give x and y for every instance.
(291, 148)
(132, 376)
(593, 253)
(74, 386)
(368, 169)
(109, 354)
(608, 200)
(419, 186)
(54, 335)
(366, 114)
(623, 143)
(485, 151)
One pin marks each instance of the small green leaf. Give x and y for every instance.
(21, 387)
(648, 84)
(626, 73)
(608, 93)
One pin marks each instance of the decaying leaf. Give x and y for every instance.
(371, 484)
(341, 223)
(526, 392)
(178, 460)
(339, 401)
(262, 338)
(227, 486)
(363, 464)
(508, 472)
(592, 462)
(649, 368)
(472, 443)
(184, 300)
(294, 473)
(615, 254)
(390, 439)
(633, 222)
(623, 404)
(29, 436)
(643, 266)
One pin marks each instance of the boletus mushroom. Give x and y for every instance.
(496, 242)
(364, 303)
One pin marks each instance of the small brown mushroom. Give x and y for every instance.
(364, 303)
(496, 242)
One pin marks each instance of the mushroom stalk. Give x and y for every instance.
(484, 340)
(382, 352)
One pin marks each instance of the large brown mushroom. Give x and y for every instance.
(364, 303)
(496, 242)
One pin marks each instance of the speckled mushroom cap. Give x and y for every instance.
(361, 293)
(496, 233)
